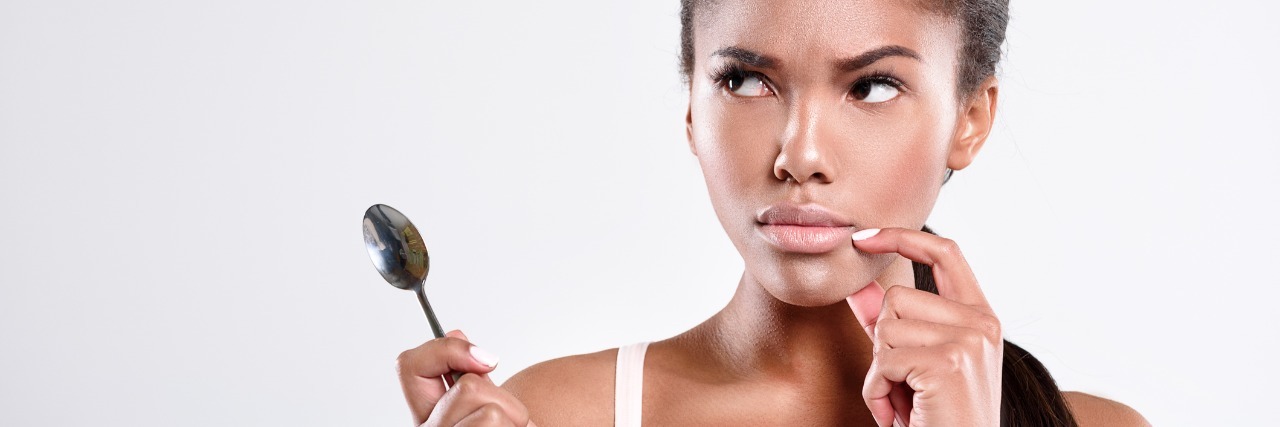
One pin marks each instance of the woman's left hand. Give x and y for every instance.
(937, 358)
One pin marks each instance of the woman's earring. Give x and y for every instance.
(947, 177)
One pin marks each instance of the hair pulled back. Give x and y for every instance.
(1029, 395)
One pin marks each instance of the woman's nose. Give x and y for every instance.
(806, 153)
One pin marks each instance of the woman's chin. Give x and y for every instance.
(817, 281)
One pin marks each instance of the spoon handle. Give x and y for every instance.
(431, 314)
(435, 329)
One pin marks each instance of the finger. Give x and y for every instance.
(901, 398)
(908, 333)
(894, 410)
(950, 270)
(421, 370)
(866, 304)
(878, 402)
(471, 394)
(894, 378)
(489, 415)
(916, 367)
(457, 333)
(901, 302)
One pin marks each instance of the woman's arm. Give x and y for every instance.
(568, 391)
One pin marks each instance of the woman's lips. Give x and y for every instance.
(806, 239)
(808, 228)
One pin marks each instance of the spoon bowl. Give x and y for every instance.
(399, 254)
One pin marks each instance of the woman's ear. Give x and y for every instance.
(688, 128)
(976, 118)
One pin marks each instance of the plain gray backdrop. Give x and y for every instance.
(182, 184)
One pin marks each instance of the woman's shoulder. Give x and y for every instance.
(578, 390)
(1091, 410)
(570, 390)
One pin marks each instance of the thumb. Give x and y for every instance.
(484, 368)
(866, 303)
(486, 361)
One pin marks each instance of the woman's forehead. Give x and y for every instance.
(826, 31)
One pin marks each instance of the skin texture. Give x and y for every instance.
(839, 337)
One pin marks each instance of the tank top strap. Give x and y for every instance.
(629, 385)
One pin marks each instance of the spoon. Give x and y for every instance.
(397, 251)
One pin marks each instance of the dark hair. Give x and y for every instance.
(1029, 395)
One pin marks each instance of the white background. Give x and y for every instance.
(182, 185)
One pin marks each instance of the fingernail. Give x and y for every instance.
(485, 358)
(865, 234)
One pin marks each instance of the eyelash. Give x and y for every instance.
(722, 75)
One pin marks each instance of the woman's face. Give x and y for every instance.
(813, 119)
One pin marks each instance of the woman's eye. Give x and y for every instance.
(746, 84)
(874, 91)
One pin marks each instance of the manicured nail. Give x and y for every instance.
(865, 234)
(485, 358)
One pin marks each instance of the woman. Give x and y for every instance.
(825, 131)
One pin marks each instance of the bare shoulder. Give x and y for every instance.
(1091, 410)
(569, 391)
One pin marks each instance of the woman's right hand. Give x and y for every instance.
(473, 401)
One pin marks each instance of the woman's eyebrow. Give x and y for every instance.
(871, 56)
(756, 59)
(748, 57)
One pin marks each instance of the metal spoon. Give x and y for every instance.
(397, 251)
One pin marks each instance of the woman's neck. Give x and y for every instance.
(758, 338)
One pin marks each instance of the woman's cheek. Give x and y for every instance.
(736, 152)
(915, 166)
(736, 146)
